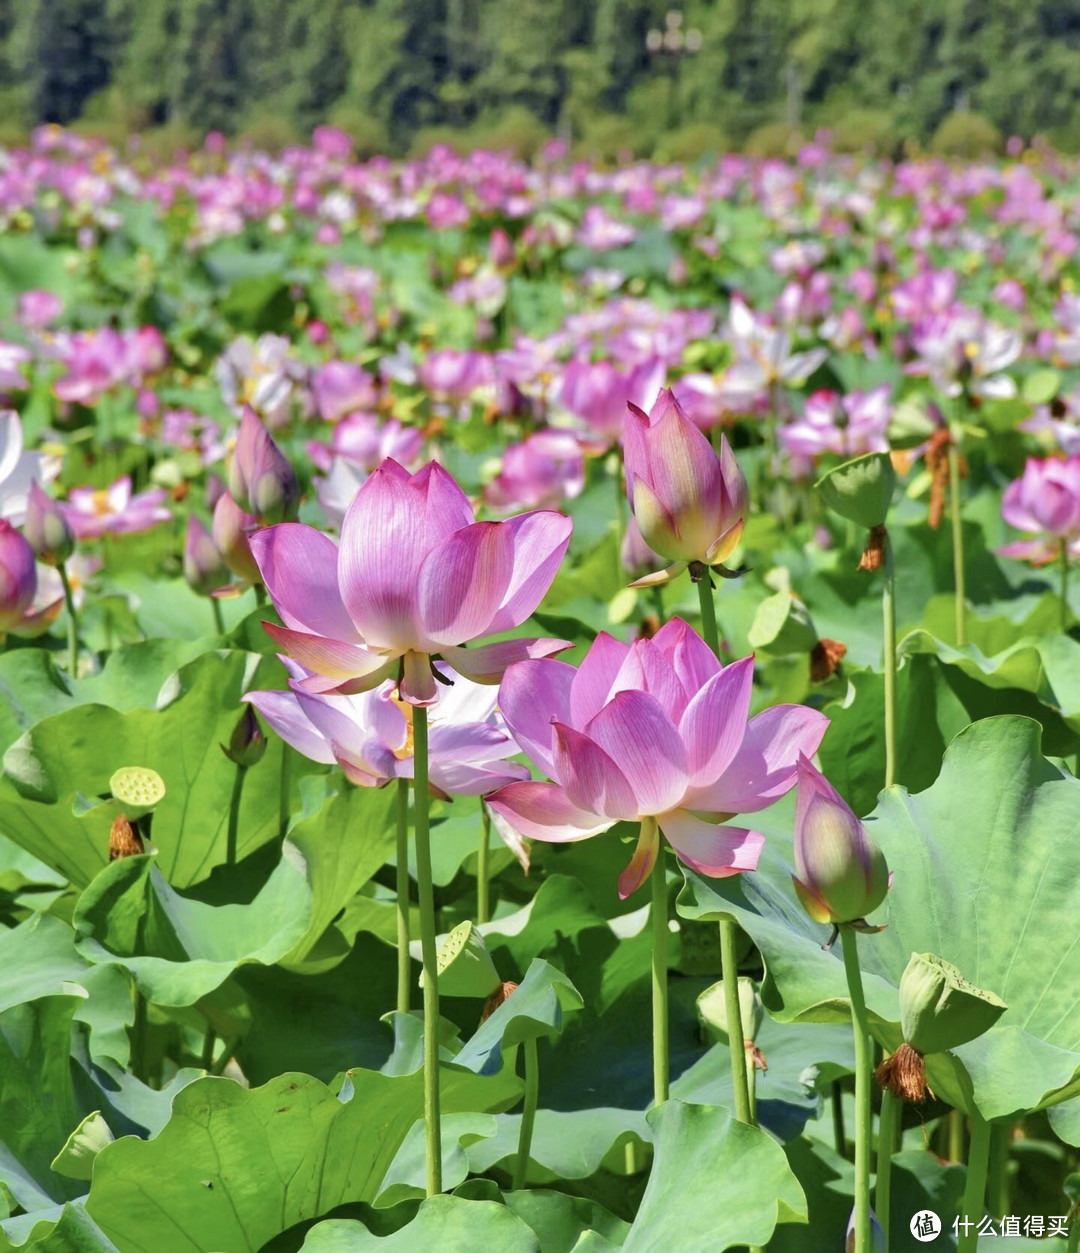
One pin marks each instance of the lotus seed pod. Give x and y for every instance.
(861, 490)
(939, 1009)
(464, 965)
(139, 787)
(712, 1010)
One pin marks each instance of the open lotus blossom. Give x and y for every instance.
(657, 728)
(1045, 500)
(415, 576)
(370, 734)
(689, 503)
(542, 472)
(364, 440)
(598, 392)
(18, 468)
(92, 512)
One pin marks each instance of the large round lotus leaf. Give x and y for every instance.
(985, 876)
(860, 490)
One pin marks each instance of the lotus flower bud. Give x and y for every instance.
(203, 566)
(878, 1243)
(231, 528)
(841, 875)
(47, 529)
(18, 576)
(247, 742)
(689, 503)
(260, 477)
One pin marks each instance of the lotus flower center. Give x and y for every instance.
(100, 502)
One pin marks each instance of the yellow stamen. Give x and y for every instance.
(406, 750)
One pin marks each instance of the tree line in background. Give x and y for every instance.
(609, 75)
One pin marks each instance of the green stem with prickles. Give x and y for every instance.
(957, 542)
(974, 1200)
(863, 1110)
(528, 1112)
(483, 871)
(73, 622)
(886, 1140)
(404, 965)
(426, 898)
(661, 1065)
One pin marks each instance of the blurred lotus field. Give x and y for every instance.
(527, 570)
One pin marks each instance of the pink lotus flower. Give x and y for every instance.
(18, 578)
(93, 512)
(415, 576)
(37, 308)
(1046, 500)
(656, 728)
(598, 393)
(689, 503)
(452, 375)
(12, 359)
(365, 441)
(204, 568)
(340, 387)
(540, 473)
(370, 734)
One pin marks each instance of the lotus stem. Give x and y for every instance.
(483, 864)
(661, 1067)
(836, 1099)
(234, 816)
(957, 541)
(219, 621)
(1073, 1244)
(997, 1185)
(886, 1143)
(956, 1135)
(863, 1073)
(528, 1113)
(284, 786)
(709, 631)
(1064, 593)
(975, 1187)
(209, 1041)
(260, 595)
(729, 969)
(426, 897)
(888, 613)
(73, 622)
(404, 965)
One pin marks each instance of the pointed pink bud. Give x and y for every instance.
(232, 530)
(204, 568)
(47, 529)
(260, 477)
(689, 503)
(840, 873)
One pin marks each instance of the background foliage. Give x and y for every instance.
(402, 73)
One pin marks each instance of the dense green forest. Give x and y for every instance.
(398, 73)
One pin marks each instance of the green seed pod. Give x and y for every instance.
(939, 1009)
(464, 965)
(860, 490)
(712, 1010)
(139, 788)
